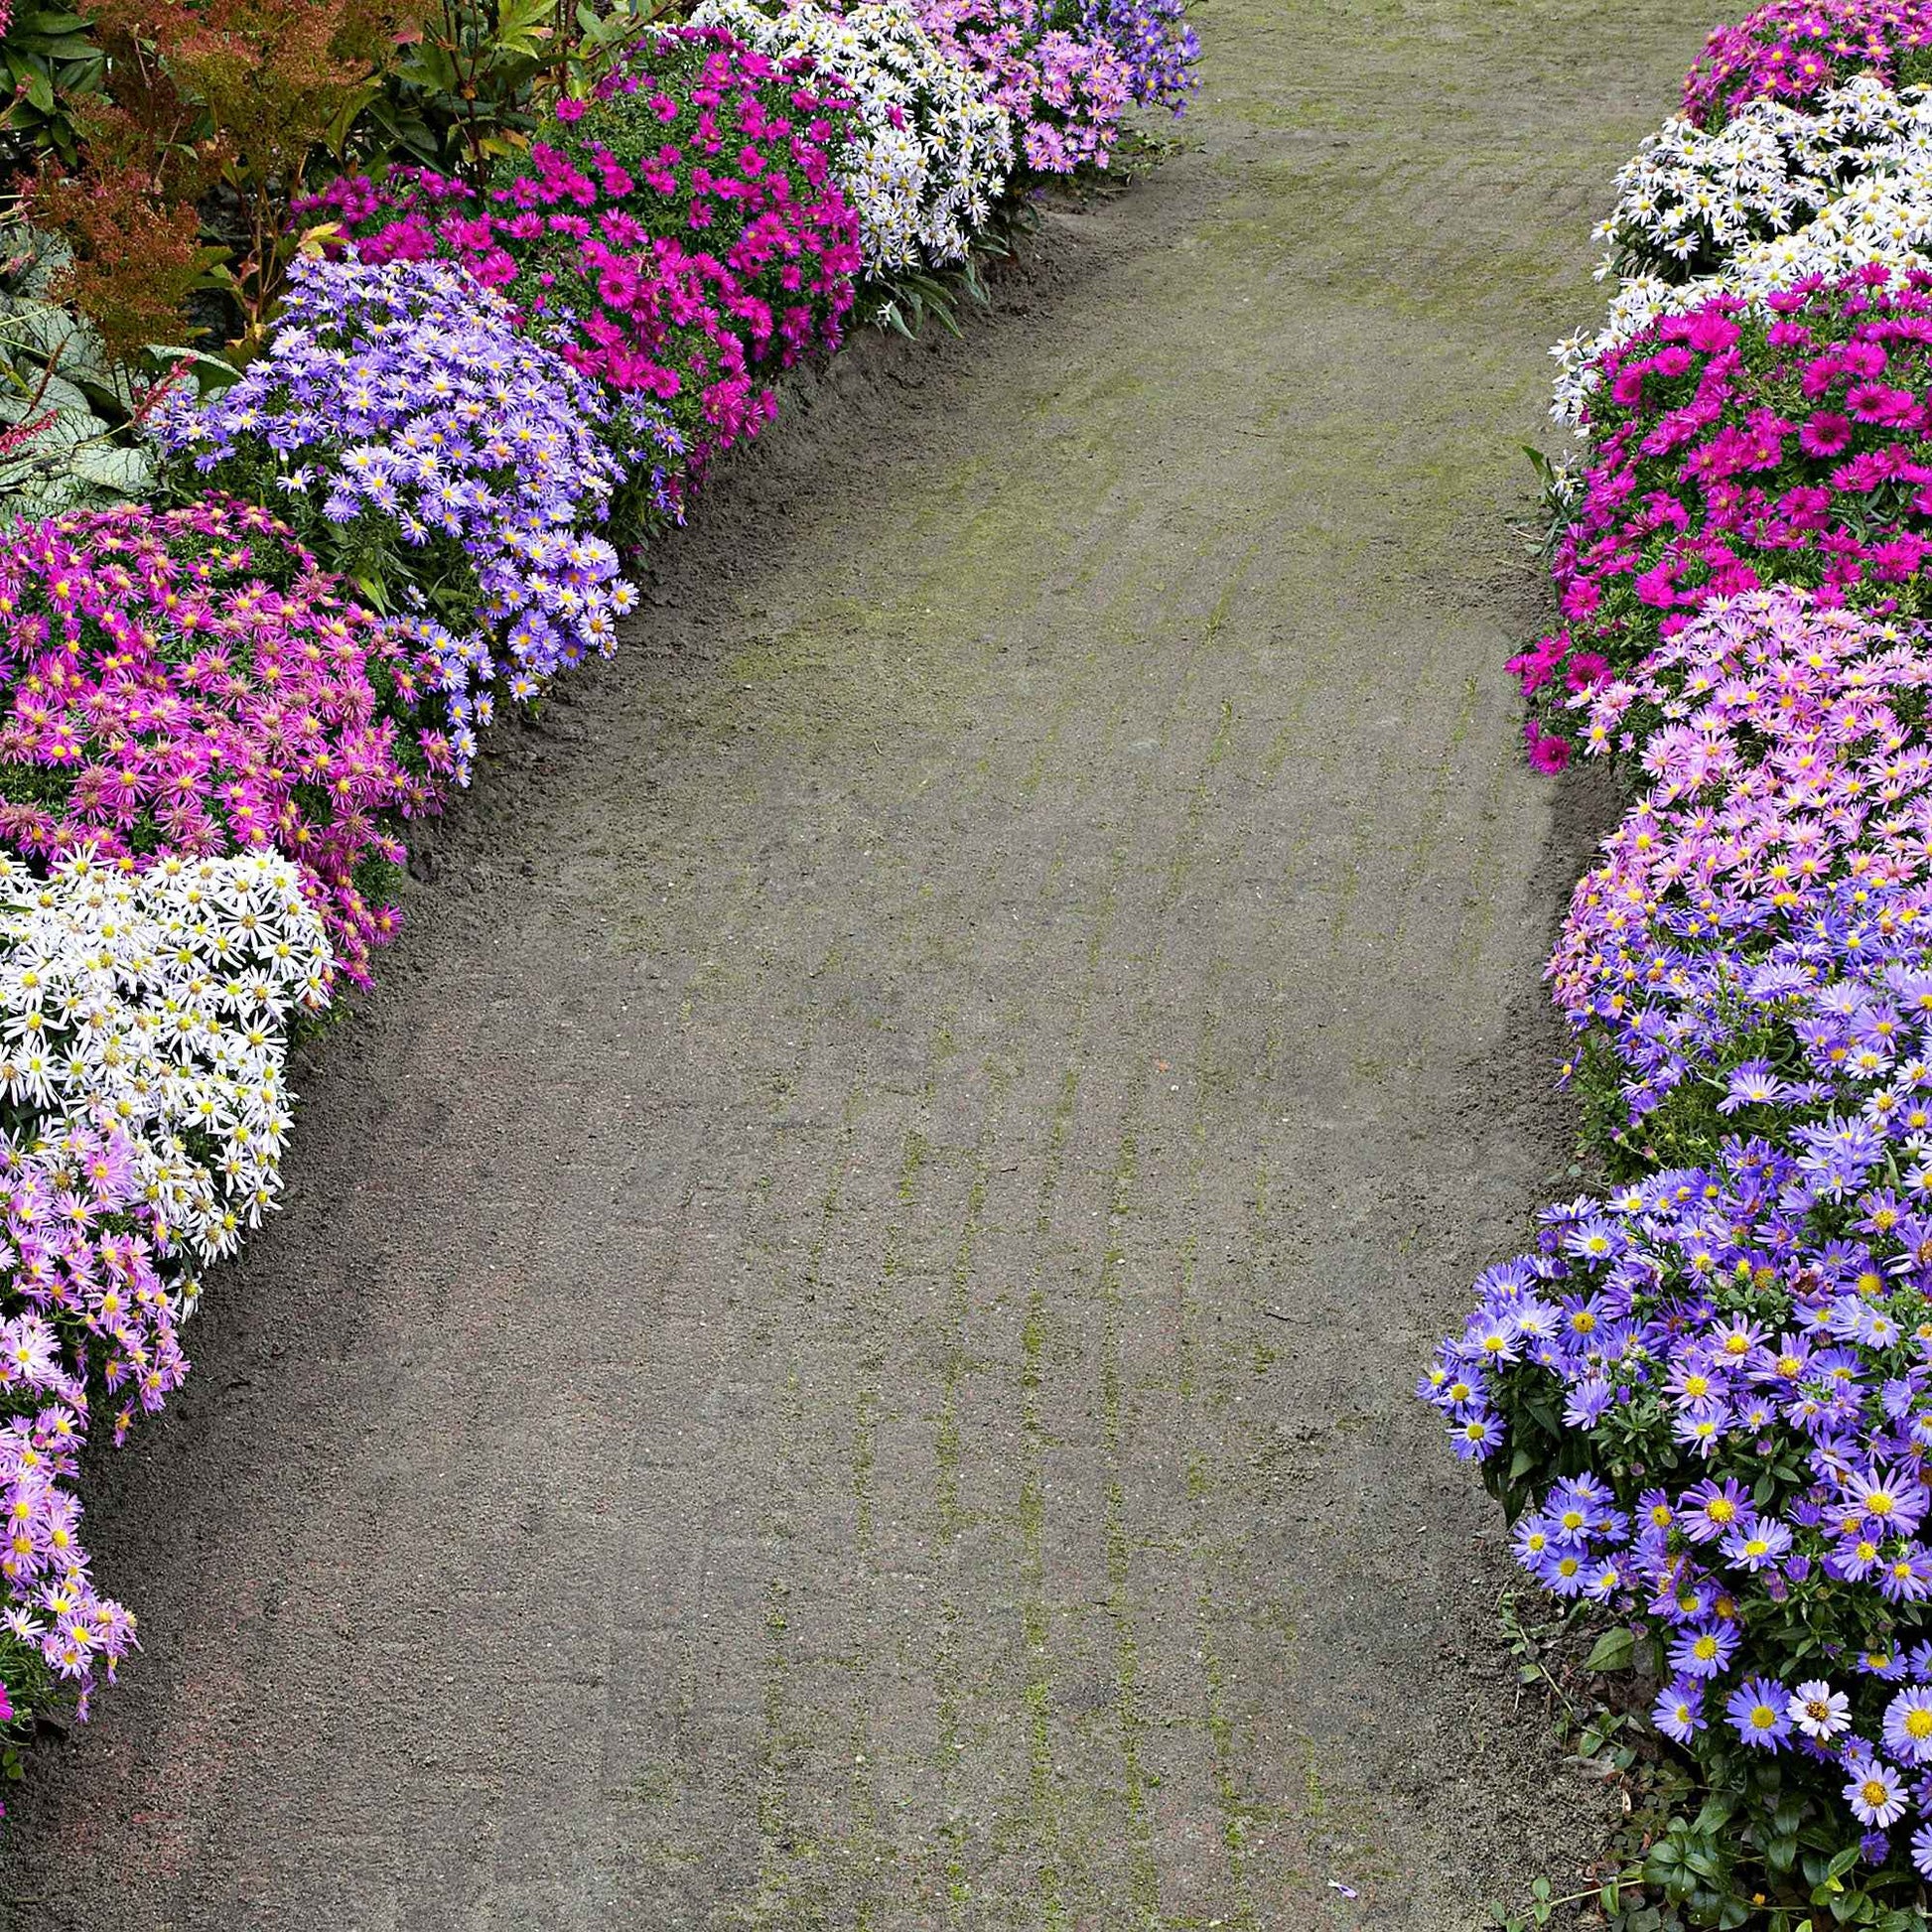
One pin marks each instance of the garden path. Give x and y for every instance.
(840, 1350)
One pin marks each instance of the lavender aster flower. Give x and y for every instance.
(1757, 1709)
(414, 399)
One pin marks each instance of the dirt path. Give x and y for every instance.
(841, 1353)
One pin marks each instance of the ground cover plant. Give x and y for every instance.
(348, 349)
(1704, 1395)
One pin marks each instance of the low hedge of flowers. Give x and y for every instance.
(1704, 1395)
(406, 502)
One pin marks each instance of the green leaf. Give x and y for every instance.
(1611, 1651)
(1715, 1816)
(111, 466)
(210, 372)
(1843, 1863)
(39, 91)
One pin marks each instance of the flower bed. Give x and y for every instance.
(396, 505)
(1704, 1393)
(682, 235)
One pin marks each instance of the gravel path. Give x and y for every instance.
(840, 1354)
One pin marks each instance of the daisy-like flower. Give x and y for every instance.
(1679, 1710)
(1757, 1713)
(370, 382)
(1819, 1712)
(935, 151)
(1909, 1724)
(1874, 1791)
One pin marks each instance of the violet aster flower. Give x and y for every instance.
(419, 407)
(1874, 1791)
(1909, 1724)
(1757, 1709)
(1679, 1710)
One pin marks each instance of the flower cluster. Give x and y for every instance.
(142, 1119)
(84, 1297)
(1771, 876)
(1690, 199)
(156, 1005)
(1737, 445)
(1706, 1397)
(402, 400)
(930, 154)
(1161, 49)
(1797, 50)
(1065, 92)
(1775, 199)
(188, 681)
(1752, 1404)
(684, 233)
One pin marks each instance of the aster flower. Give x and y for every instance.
(1874, 1791)
(1909, 1724)
(934, 153)
(1757, 1709)
(1794, 50)
(1065, 92)
(410, 360)
(1679, 1710)
(1819, 1711)
(683, 233)
(208, 691)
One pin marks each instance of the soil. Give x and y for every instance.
(840, 1350)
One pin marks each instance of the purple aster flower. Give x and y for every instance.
(1711, 1508)
(1757, 1709)
(1874, 1791)
(1705, 1653)
(1475, 1436)
(1757, 1544)
(1892, 1501)
(1679, 1710)
(1909, 1724)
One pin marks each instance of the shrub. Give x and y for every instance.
(451, 464)
(142, 1119)
(1740, 446)
(1707, 1399)
(684, 232)
(1797, 50)
(188, 681)
(1065, 92)
(1775, 199)
(49, 61)
(1160, 49)
(239, 94)
(1705, 1403)
(930, 154)
(74, 416)
(1775, 856)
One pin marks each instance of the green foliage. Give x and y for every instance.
(48, 61)
(368, 549)
(71, 414)
(1739, 1851)
(469, 90)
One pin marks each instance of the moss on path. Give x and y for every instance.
(841, 1351)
